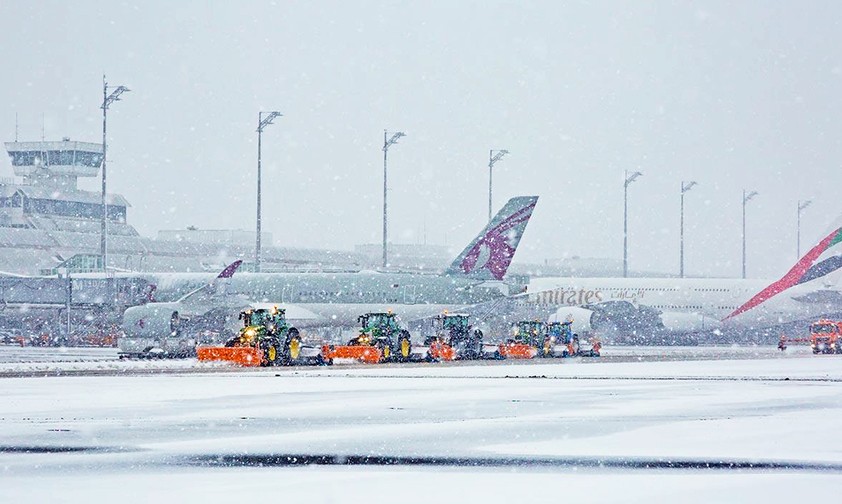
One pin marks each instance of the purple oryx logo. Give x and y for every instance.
(494, 251)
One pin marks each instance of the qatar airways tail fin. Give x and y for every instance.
(229, 270)
(488, 256)
(824, 261)
(216, 285)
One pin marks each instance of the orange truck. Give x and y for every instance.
(826, 336)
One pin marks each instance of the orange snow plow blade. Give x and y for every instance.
(362, 353)
(244, 356)
(517, 351)
(442, 351)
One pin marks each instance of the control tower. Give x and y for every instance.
(55, 164)
(48, 197)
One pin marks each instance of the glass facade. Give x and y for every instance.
(56, 157)
(63, 208)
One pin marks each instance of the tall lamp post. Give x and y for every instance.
(492, 159)
(65, 272)
(801, 206)
(629, 179)
(387, 142)
(261, 124)
(747, 196)
(685, 186)
(107, 100)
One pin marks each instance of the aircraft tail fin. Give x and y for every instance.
(822, 261)
(229, 270)
(213, 287)
(488, 256)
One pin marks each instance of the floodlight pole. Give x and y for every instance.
(65, 271)
(261, 124)
(492, 159)
(387, 142)
(106, 101)
(685, 186)
(628, 180)
(747, 196)
(801, 206)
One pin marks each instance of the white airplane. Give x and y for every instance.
(692, 305)
(333, 299)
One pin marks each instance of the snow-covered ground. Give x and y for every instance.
(32, 361)
(581, 430)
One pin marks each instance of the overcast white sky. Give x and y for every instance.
(731, 94)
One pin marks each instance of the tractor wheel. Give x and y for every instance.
(386, 352)
(476, 345)
(547, 349)
(404, 346)
(292, 350)
(324, 362)
(271, 352)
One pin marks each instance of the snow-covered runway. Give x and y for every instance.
(492, 433)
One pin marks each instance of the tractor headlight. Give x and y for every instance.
(251, 333)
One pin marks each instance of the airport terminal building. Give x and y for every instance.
(45, 219)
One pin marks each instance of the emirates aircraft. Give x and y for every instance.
(636, 305)
(333, 299)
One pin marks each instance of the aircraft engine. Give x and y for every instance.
(156, 327)
(582, 318)
(157, 320)
(688, 322)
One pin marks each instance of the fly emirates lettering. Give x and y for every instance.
(584, 296)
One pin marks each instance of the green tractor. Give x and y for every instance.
(455, 330)
(267, 329)
(529, 332)
(562, 341)
(383, 331)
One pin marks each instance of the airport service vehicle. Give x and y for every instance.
(561, 341)
(381, 339)
(527, 341)
(264, 340)
(826, 336)
(455, 338)
(533, 338)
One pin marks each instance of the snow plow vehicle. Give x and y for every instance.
(455, 339)
(533, 338)
(826, 336)
(527, 341)
(265, 339)
(381, 339)
(561, 341)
